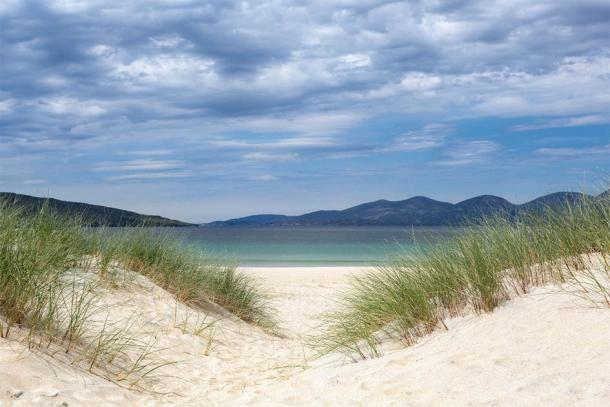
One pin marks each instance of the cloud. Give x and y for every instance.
(287, 143)
(65, 105)
(261, 156)
(324, 66)
(564, 122)
(150, 176)
(306, 124)
(139, 165)
(6, 106)
(573, 151)
(189, 86)
(264, 178)
(468, 153)
(431, 136)
(34, 182)
(159, 151)
(419, 81)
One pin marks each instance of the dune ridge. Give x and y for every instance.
(548, 346)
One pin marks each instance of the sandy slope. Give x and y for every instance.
(547, 348)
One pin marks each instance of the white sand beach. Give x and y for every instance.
(549, 347)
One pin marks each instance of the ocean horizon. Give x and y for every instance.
(309, 246)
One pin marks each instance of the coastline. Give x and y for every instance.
(289, 272)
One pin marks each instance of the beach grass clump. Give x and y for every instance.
(35, 254)
(395, 304)
(42, 291)
(189, 274)
(119, 353)
(51, 272)
(474, 272)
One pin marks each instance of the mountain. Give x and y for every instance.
(552, 200)
(256, 220)
(473, 209)
(416, 211)
(92, 215)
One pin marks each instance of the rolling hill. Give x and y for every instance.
(92, 215)
(416, 211)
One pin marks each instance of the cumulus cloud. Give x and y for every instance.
(279, 79)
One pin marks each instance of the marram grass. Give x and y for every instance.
(477, 271)
(37, 251)
(185, 272)
(44, 291)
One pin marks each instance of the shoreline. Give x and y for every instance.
(309, 265)
(321, 274)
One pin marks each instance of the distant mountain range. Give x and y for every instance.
(416, 211)
(92, 215)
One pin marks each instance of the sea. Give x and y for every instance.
(310, 246)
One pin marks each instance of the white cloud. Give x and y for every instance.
(573, 151)
(150, 175)
(168, 41)
(159, 151)
(321, 123)
(6, 6)
(168, 70)
(64, 105)
(139, 165)
(6, 106)
(264, 178)
(469, 152)
(418, 81)
(286, 143)
(262, 156)
(34, 182)
(431, 136)
(328, 81)
(354, 61)
(74, 6)
(564, 122)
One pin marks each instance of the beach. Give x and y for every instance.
(301, 294)
(547, 347)
(304, 203)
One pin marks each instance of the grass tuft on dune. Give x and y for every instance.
(184, 271)
(476, 271)
(51, 268)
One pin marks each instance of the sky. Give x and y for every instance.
(210, 110)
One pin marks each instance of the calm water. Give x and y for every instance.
(310, 245)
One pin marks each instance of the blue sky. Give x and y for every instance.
(209, 110)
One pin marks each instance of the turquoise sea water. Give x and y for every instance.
(310, 245)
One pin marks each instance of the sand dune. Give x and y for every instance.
(549, 347)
